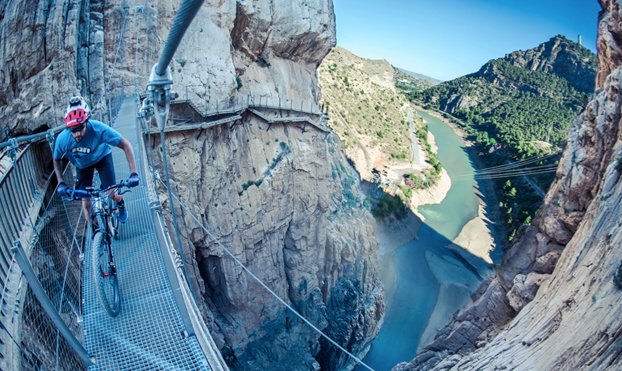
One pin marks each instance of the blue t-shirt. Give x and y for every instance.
(93, 147)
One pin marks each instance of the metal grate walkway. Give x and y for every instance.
(147, 334)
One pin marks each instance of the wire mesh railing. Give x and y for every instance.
(23, 171)
(51, 232)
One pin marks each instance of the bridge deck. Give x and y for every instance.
(148, 333)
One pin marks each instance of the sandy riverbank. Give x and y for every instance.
(434, 195)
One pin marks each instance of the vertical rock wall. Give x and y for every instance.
(49, 51)
(284, 201)
(286, 204)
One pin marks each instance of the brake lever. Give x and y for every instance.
(71, 197)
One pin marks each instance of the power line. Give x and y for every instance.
(514, 165)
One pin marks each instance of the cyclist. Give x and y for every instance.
(86, 143)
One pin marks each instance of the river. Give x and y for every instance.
(416, 287)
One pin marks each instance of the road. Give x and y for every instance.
(414, 135)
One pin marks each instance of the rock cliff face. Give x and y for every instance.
(297, 227)
(48, 51)
(283, 200)
(555, 303)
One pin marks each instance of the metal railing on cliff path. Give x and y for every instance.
(231, 110)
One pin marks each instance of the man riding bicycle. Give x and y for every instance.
(86, 143)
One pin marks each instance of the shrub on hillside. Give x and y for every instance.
(390, 205)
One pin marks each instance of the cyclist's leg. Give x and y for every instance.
(85, 179)
(105, 168)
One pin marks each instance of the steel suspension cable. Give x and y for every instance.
(185, 15)
(265, 286)
(512, 175)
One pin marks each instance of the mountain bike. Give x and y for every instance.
(103, 269)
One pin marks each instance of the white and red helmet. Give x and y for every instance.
(77, 113)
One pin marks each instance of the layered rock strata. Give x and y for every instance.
(48, 53)
(554, 303)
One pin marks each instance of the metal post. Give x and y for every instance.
(35, 285)
(109, 115)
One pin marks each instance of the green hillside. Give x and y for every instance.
(518, 107)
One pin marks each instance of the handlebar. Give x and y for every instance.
(81, 193)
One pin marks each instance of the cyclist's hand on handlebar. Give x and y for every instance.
(62, 189)
(133, 180)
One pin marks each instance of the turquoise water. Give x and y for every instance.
(416, 289)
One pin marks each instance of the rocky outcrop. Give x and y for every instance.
(284, 200)
(560, 57)
(554, 302)
(53, 53)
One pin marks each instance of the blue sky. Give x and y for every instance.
(445, 39)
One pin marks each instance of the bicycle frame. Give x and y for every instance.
(103, 268)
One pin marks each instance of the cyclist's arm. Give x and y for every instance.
(129, 153)
(58, 170)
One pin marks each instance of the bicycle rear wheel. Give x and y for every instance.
(104, 275)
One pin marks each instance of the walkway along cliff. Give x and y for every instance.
(555, 302)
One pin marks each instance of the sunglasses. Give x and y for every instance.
(76, 129)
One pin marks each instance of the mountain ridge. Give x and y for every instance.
(420, 76)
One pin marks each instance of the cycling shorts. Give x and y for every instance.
(105, 169)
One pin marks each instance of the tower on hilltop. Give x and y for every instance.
(579, 39)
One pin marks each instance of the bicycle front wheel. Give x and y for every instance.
(113, 219)
(104, 274)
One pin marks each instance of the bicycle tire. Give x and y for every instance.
(104, 275)
(113, 220)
